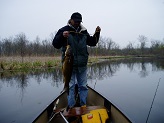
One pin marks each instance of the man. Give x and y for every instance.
(78, 38)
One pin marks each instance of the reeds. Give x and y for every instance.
(29, 64)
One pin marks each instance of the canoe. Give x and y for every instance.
(56, 112)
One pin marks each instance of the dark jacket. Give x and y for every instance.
(78, 40)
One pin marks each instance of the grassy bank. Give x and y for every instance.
(28, 63)
(31, 63)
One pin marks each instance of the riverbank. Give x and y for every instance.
(28, 63)
(32, 63)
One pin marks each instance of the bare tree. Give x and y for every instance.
(7, 46)
(129, 50)
(155, 44)
(37, 46)
(22, 44)
(142, 39)
(19, 45)
(110, 44)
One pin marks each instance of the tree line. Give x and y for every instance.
(21, 46)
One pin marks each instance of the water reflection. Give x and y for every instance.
(102, 70)
(99, 71)
(109, 68)
(21, 78)
(46, 84)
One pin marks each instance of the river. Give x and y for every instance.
(135, 86)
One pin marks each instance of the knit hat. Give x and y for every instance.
(76, 17)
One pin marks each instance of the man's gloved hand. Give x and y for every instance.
(66, 34)
(98, 29)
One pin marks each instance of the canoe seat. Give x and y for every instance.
(78, 111)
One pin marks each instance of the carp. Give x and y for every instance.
(67, 68)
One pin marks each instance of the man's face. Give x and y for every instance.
(76, 24)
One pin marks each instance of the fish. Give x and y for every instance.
(67, 68)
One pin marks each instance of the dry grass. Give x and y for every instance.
(15, 63)
(29, 59)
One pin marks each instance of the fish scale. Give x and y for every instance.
(67, 67)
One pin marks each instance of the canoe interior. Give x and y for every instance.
(94, 99)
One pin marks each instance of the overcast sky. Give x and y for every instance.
(121, 20)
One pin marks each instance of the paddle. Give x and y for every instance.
(64, 118)
(57, 102)
(55, 113)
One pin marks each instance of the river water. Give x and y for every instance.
(135, 86)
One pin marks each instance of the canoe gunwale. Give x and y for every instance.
(106, 102)
(48, 107)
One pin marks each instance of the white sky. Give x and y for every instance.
(121, 20)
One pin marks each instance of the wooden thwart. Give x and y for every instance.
(78, 111)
